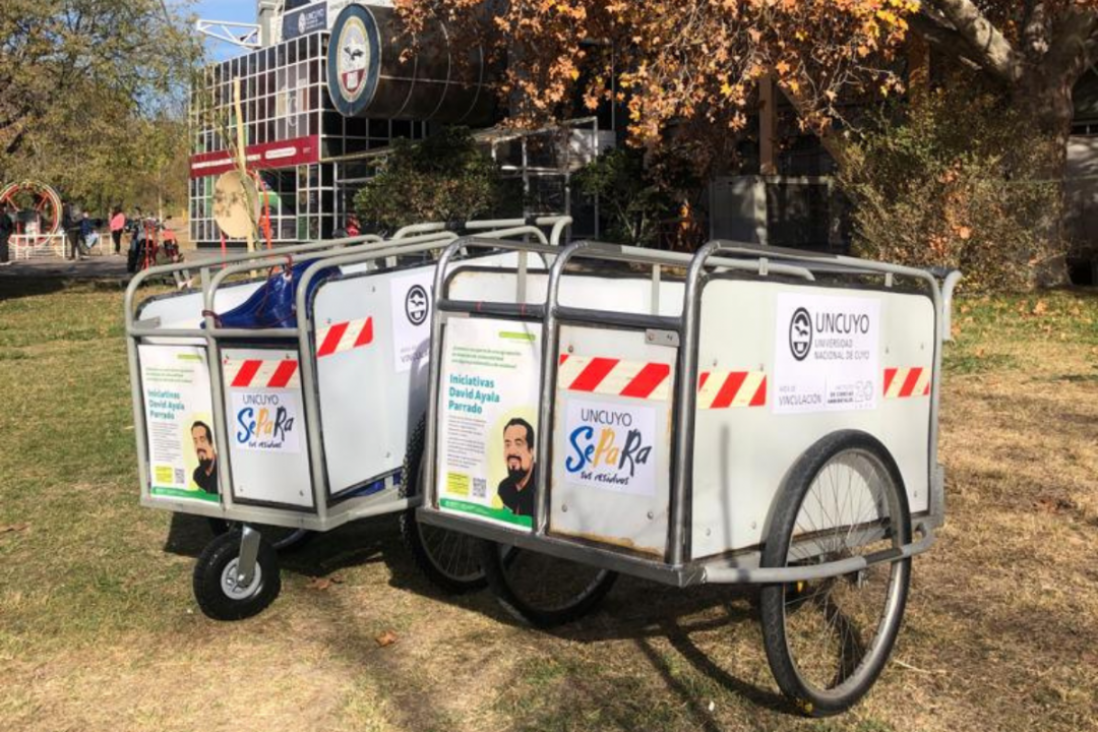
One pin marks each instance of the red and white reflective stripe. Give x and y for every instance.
(612, 376)
(905, 383)
(257, 374)
(341, 337)
(726, 389)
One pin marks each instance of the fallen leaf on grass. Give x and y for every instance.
(1053, 505)
(387, 638)
(323, 583)
(11, 528)
(1040, 308)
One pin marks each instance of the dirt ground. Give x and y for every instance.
(99, 630)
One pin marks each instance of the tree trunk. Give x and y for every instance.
(1048, 96)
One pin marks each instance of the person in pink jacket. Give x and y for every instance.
(118, 225)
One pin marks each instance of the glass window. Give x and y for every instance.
(379, 128)
(291, 53)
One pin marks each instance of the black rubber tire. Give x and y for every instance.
(208, 579)
(497, 559)
(779, 603)
(414, 535)
(282, 539)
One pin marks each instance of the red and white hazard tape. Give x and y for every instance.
(727, 389)
(341, 337)
(906, 383)
(257, 374)
(716, 389)
(613, 376)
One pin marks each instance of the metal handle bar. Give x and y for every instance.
(323, 256)
(559, 224)
(204, 268)
(948, 284)
(424, 228)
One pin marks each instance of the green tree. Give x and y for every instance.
(955, 180)
(641, 194)
(92, 95)
(446, 177)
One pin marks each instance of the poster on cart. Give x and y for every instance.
(178, 421)
(488, 407)
(826, 353)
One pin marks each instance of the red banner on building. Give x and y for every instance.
(299, 151)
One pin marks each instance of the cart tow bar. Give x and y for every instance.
(249, 550)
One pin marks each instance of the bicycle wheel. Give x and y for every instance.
(542, 590)
(828, 640)
(447, 558)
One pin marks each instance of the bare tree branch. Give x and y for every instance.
(993, 51)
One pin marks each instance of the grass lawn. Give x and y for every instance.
(99, 631)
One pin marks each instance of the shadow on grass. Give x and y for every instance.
(639, 611)
(14, 287)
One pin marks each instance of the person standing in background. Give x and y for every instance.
(89, 237)
(7, 225)
(118, 225)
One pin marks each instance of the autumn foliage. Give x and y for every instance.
(671, 61)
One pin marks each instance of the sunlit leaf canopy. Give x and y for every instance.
(701, 60)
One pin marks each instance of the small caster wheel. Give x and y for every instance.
(217, 588)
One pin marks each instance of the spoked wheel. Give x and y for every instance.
(449, 559)
(281, 538)
(828, 640)
(542, 590)
(217, 588)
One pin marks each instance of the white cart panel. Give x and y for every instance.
(612, 439)
(269, 452)
(760, 407)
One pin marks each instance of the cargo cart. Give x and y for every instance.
(744, 415)
(299, 419)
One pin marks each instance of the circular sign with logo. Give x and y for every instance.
(416, 305)
(354, 54)
(800, 334)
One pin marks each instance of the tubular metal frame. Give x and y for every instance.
(679, 568)
(368, 250)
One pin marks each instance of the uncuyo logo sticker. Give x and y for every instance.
(800, 334)
(611, 447)
(265, 421)
(416, 305)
